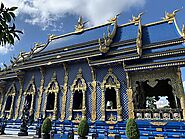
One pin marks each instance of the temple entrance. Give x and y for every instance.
(78, 98)
(158, 102)
(29, 100)
(50, 101)
(8, 103)
(110, 98)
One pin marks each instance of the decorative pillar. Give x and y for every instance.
(181, 92)
(71, 107)
(83, 106)
(93, 114)
(119, 108)
(21, 82)
(41, 90)
(64, 98)
(103, 104)
(130, 97)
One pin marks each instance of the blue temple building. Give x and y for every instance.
(106, 74)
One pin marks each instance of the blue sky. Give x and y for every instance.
(38, 18)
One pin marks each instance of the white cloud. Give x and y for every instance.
(162, 102)
(46, 12)
(6, 49)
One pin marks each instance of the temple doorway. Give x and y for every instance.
(78, 99)
(50, 101)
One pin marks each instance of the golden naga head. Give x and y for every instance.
(170, 16)
(136, 19)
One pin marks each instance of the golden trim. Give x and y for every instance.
(116, 86)
(11, 92)
(30, 90)
(75, 87)
(65, 89)
(139, 39)
(130, 96)
(158, 123)
(93, 84)
(181, 89)
(41, 90)
(52, 89)
(159, 129)
(107, 40)
(21, 82)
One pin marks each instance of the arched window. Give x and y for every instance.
(29, 96)
(77, 103)
(9, 102)
(111, 98)
(51, 94)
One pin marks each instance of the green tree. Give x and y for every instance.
(8, 31)
(132, 130)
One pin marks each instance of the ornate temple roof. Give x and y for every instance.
(138, 46)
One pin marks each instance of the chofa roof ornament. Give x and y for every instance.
(80, 25)
(170, 16)
(136, 19)
(107, 40)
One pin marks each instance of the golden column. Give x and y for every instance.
(42, 71)
(93, 115)
(181, 92)
(64, 98)
(21, 82)
(130, 97)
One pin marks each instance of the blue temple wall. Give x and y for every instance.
(73, 70)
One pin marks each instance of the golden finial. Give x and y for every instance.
(110, 70)
(170, 16)
(50, 37)
(136, 19)
(114, 19)
(80, 25)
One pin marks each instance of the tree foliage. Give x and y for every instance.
(83, 128)
(46, 126)
(8, 31)
(132, 130)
